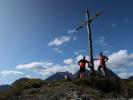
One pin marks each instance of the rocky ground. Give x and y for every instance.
(86, 89)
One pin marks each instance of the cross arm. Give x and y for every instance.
(90, 20)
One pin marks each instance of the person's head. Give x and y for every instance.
(101, 53)
(84, 57)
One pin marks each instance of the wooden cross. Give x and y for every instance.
(87, 23)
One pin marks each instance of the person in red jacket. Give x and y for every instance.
(102, 60)
(82, 63)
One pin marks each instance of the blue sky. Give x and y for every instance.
(35, 39)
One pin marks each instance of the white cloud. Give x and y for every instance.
(50, 70)
(79, 57)
(10, 72)
(35, 65)
(71, 31)
(28, 76)
(120, 59)
(68, 61)
(101, 41)
(59, 41)
(9, 76)
(125, 75)
(58, 50)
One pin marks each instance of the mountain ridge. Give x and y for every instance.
(4, 87)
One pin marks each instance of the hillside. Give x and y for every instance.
(4, 87)
(86, 89)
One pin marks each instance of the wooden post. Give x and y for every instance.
(89, 39)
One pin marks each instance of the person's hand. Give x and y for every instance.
(106, 60)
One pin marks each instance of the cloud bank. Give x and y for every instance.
(35, 66)
(10, 73)
(117, 60)
(120, 59)
(46, 71)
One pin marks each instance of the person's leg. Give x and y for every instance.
(99, 68)
(84, 73)
(99, 71)
(104, 70)
(81, 73)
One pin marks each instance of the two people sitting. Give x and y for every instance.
(102, 65)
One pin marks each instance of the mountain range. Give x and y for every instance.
(61, 75)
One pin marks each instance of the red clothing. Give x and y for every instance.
(82, 63)
(102, 60)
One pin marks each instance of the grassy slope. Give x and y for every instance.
(36, 89)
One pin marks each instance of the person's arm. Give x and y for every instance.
(106, 58)
(79, 62)
(88, 62)
(95, 59)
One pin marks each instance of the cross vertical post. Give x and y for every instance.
(89, 39)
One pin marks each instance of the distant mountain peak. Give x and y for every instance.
(59, 76)
(130, 78)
